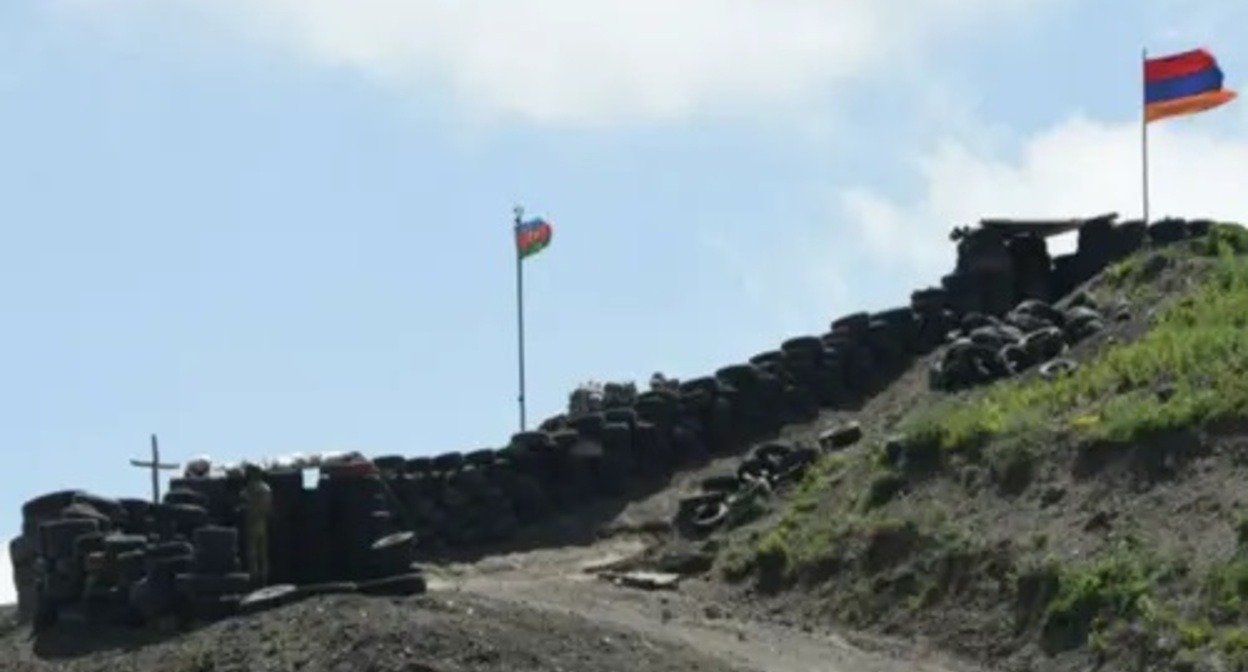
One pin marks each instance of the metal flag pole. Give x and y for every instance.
(519, 211)
(1144, 133)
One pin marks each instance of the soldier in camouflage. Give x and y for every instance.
(258, 500)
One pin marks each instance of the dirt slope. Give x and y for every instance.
(541, 610)
(433, 633)
(1096, 520)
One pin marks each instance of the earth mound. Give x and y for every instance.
(1087, 515)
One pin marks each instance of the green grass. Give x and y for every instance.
(1092, 598)
(1198, 346)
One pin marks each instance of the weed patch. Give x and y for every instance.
(1197, 349)
(1091, 598)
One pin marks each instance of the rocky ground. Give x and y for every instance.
(541, 610)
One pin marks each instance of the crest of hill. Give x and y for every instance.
(1092, 519)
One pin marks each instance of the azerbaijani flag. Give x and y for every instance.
(1181, 84)
(533, 236)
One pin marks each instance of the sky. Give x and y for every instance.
(262, 227)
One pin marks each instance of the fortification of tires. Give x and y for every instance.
(364, 524)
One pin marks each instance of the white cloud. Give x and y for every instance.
(597, 61)
(1075, 168)
(8, 594)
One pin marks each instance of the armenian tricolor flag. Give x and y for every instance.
(533, 236)
(1182, 84)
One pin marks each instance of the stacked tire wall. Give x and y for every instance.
(129, 560)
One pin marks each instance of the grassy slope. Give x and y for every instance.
(992, 523)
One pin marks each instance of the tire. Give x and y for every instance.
(803, 346)
(854, 324)
(185, 497)
(117, 544)
(49, 505)
(403, 585)
(216, 550)
(484, 457)
(329, 588)
(271, 597)
(707, 385)
(57, 537)
(531, 440)
(708, 518)
(689, 505)
(393, 553)
(392, 464)
(721, 483)
(773, 451)
(841, 437)
(448, 462)
(420, 465)
(625, 416)
(213, 585)
(1058, 368)
(87, 544)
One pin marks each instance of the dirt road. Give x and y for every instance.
(564, 581)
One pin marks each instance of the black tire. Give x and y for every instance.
(271, 597)
(771, 357)
(213, 585)
(186, 518)
(57, 537)
(117, 544)
(329, 588)
(1016, 358)
(129, 567)
(739, 375)
(391, 464)
(87, 544)
(590, 424)
(49, 505)
(171, 549)
(448, 462)
(216, 550)
(722, 483)
(854, 324)
(1057, 368)
(803, 346)
(689, 505)
(403, 585)
(772, 451)
(393, 553)
(708, 518)
(23, 550)
(707, 385)
(531, 440)
(185, 497)
(484, 457)
(842, 436)
(420, 465)
(626, 416)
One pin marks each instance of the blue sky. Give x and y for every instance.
(272, 227)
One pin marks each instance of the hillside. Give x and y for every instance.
(1094, 518)
(980, 477)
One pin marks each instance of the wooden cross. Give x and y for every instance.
(156, 466)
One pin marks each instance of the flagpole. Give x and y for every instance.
(520, 313)
(1144, 132)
